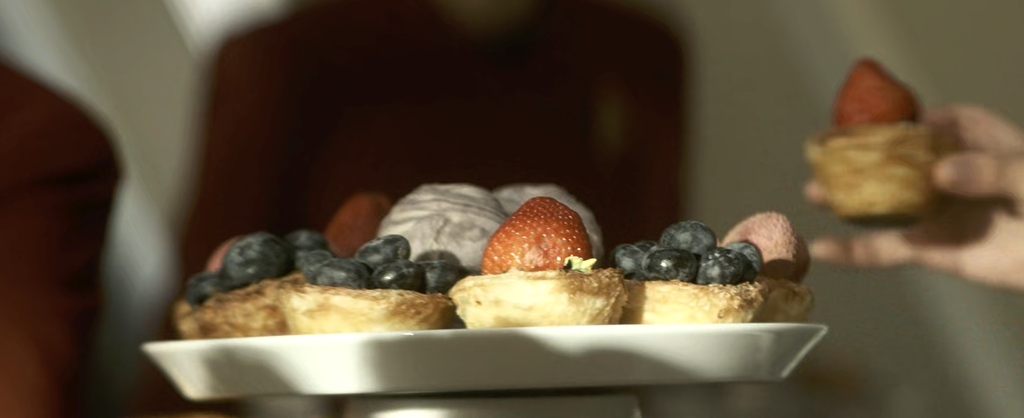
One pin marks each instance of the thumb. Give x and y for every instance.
(977, 174)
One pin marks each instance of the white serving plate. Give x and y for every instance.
(486, 359)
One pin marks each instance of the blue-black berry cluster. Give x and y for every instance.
(382, 263)
(688, 252)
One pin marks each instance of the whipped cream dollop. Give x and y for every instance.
(445, 221)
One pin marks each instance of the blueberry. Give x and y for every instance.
(341, 272)
(255, 257)
(201, 286)
(309, 261)
(630, 259)
(438, 255)
(306, 240)
(753, 256)
(691, 236)
(749, 273)
(670, 264)
(384, 250)
(721, 266)
(401, 274)
(440, 275)
(646, 245)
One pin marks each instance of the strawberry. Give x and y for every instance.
(356, 222)
(214, 262)
(871, 95)
(541, 235)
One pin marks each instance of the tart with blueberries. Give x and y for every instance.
(236, 299)
(690, 277)
(378, 290)
(271, 286)
(537, 270)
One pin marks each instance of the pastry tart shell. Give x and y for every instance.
(878, 173)
(541, 298)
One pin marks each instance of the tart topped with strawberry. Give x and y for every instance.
(537, 270)
(875, 161)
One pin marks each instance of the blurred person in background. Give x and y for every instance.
(357, 95)
(978, 232)
(57, 180)
(364, 95)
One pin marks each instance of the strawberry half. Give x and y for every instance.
(540, 235)
(871, 96)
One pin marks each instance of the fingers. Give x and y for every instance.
(977, 128)
(985, 170)
(874, 249)
(944, 119)
(977, 174)
(815, 193)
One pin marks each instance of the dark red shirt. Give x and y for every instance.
(57, 180)
(383, 96)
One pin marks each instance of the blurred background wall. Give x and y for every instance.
(903, 342)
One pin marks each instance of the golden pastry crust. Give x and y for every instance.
(334, 310)
(878, 171)
(290, 306)
(674, 302)
(542, 298)
(252, 311)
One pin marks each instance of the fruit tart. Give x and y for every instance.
(537, 270)
(690, 277)
(875, 162)
(378, 290)
(265, 285)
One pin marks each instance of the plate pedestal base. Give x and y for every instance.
(654, 402)
(605, 405)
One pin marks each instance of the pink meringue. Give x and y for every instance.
(783, 250)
